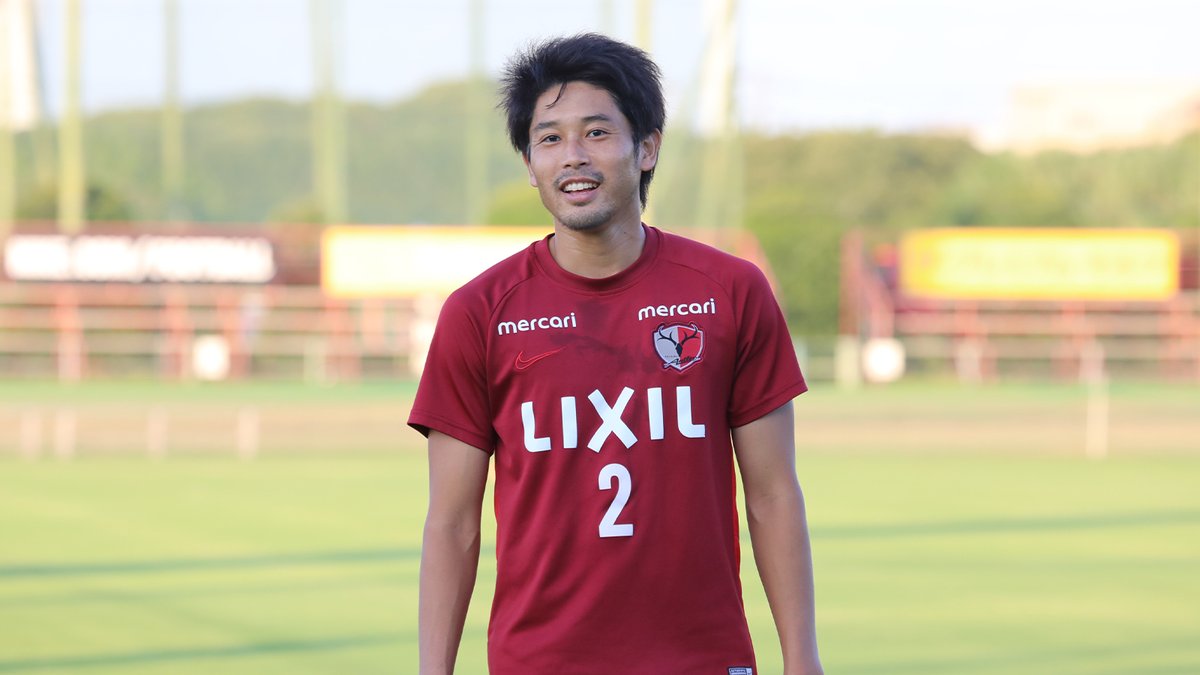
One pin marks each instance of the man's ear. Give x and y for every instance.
(532, 178)
(648, 150)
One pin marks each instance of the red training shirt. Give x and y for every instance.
(607, 404)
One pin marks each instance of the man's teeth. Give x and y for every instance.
(576, 187)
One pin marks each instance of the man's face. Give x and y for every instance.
(582, 157)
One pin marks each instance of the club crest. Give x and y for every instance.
(679, 345)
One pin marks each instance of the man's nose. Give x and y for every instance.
(576, 153)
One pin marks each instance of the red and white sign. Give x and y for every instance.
(139, 259)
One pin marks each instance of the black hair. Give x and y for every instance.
(624, 71)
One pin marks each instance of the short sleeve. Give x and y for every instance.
(766, 373)
(452, 396)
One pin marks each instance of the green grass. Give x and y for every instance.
(150, 391)
(126, 566)
(1011, 554)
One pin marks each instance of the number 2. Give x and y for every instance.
(608, 524)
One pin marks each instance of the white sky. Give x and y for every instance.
(903, 64)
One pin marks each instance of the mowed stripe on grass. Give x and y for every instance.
(262, 566)
(983, 564)
(955, 531)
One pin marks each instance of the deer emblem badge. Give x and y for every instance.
(679, 345)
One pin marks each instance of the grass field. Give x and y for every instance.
(955, 531)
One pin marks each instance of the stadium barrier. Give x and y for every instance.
(979, 317)
(340, 304)
(75, 331)
(983, 340)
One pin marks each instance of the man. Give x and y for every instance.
(611, 371)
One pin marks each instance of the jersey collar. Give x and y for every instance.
(611, 284)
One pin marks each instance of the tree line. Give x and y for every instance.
(249, 162)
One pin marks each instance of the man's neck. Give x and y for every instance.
(598, 254)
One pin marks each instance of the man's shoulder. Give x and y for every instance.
(707, 259)
(491, 286)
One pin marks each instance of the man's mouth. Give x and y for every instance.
(579, 186)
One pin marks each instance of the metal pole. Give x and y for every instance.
(645, 24)
(71, 179)
(172, 117)
(721, 179)
(42, 134)
(8, 121)
(477, 111)
(329, 166)
(608, 17)
(644, 38)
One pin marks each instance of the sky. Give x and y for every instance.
(801, 65)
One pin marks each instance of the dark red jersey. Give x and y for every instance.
(608, 404)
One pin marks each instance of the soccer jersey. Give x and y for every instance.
(608, 404)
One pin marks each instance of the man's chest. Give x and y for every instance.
(569, 371)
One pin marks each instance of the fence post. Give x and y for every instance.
(65, 423)
(156, 432)
(1092, 372)
(968, 360)
(847, 361)
(70, 357)
(847, 355)
(420, 332)
(248, 432)
(316, 367)
(31, 434)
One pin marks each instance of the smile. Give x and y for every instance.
(579, 185)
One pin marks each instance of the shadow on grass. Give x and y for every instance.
(73, 595)
(1005, 525)
(201, 653)
(1152, 657)
(191, 564)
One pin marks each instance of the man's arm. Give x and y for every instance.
(450, 548)
(766, 452)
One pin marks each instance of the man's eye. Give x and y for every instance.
(552, 138)
(596, 132)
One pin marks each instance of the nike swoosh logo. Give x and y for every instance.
(522, 363)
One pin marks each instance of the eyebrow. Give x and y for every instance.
(598, 117)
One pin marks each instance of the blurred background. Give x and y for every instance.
(228, 228)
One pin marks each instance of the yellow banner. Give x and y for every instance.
(359, 262)
(1040, 264)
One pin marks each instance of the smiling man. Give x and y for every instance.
(611, 371)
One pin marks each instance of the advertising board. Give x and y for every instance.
(1040, 264)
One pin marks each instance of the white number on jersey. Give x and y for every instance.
(608, 525)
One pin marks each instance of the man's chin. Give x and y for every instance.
(580, 222)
